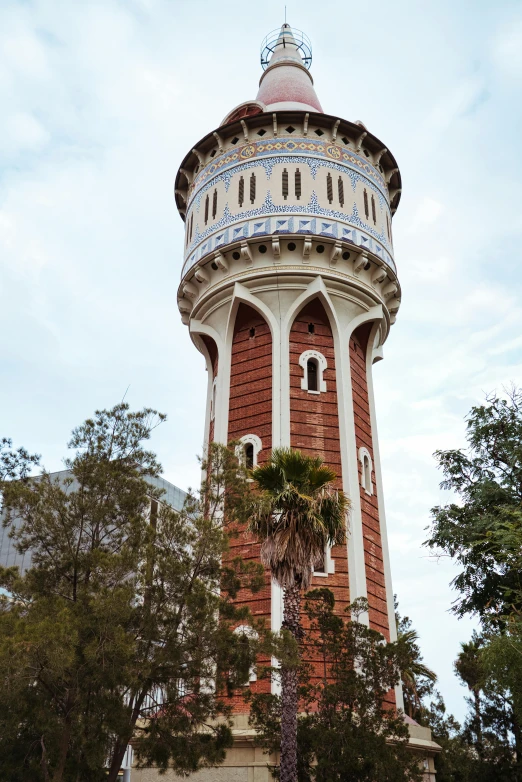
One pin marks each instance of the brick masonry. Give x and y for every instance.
(314, 429)
(373, 556)
(250, 412)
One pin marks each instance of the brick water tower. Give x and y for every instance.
(289, 289)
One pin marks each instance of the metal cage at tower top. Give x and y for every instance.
(297, 37)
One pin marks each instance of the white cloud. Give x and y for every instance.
(427, 212)
(507, 49)
(102, 100)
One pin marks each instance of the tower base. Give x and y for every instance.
(247, 763)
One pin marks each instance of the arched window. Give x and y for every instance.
(206, 209)
(248, 633)
(248, 450)
(313, 364)
(284, 183)
(214, 205)
(297, 184)
(249, 456)
(366, 209)
(241, 191)
(340, 190)
(252, 188)
(366, 470)
(329, 188)
(312, 371)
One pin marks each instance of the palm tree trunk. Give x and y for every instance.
(289, 689)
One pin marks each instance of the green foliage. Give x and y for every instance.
(483, 531)
(297, 515)
(417, 679)
(345, 730)
(122, 629)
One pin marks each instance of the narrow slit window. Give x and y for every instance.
(249, 456)
(366, 209)
(214, 205)
(311, 328)
(311, 372)
(374, 213)
(297, 184)
(252, 188)
(340, 190)
(388, 227)
(206, 209)
(241, 191)
(367, 472)
(329, 188)
(285, 183)
(191, 226)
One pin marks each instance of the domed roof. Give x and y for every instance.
(287, 84)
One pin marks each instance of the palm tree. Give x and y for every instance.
(413, 668)
(469, 668)
(298, 513)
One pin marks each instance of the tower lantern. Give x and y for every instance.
(289, 289)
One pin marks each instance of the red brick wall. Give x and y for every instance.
(250, 412)
(373, 557)
(314, 429)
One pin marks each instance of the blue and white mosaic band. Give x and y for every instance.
(295, 224)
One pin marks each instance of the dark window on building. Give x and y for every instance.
(252, 188)
(241, 191)
(366, 209)
(340, 190)
(329, 188)
(285, 183)
(320, 567)
(319, 132)
(191, 226)
(297, 184)
(252, 332)
(154, 505)
(206, 209)
(249, 456)
(374, 213)
(214, 205)
(388, 227)
(311, 328)
(311, 373)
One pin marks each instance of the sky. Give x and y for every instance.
(100, 101)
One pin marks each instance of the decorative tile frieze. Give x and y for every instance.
(270, 226)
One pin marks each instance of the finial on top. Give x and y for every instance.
(292, 40)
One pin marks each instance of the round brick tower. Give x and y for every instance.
(289, 289)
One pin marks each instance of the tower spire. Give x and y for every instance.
(286, 82)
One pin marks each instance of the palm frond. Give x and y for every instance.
(297, 514)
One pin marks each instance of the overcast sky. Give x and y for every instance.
(100, 101)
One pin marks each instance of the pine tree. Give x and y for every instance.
(122, 629)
